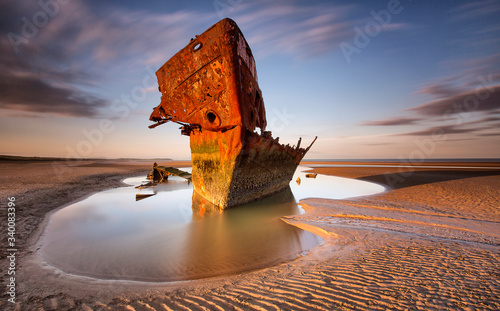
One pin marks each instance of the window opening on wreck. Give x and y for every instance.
(257, 99)
(211, 117)
(197, 46)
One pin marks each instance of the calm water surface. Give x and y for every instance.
(171, 236)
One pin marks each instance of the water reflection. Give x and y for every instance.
(175, 235)
(165, 238)
(246, 237)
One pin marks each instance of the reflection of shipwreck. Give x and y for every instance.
(210, 88)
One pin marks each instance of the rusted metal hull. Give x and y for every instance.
(261, 167)
(210, 87)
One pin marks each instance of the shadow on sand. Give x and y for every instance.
(409, 178)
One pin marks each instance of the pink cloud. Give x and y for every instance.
(476, 9)
(292, 29)
(481, 99)
(392, 121)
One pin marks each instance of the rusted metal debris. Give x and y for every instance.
(210, 88)
(160, 173)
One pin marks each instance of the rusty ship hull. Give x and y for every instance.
(211, 89)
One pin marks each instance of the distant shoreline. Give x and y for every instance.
(442, 162)
(36, 158)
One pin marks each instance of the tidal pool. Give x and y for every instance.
(171, 236)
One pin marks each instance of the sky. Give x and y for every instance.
(388, 79)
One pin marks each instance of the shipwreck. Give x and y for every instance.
(210, 88)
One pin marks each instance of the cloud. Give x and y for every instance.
(293, 29)
(477, 23)
(59, 67)
(471, 90)
(34, 82)
(64, 68)
(482, 99)
(442, 130)
(301, 30)
(487, 119)
(470, 70)
(456, 100)
(490, 134)
(392, 121)
(475, 9)
(485, 99)
(30, 85)
(479, 127)
(32, 94)
(440, 90)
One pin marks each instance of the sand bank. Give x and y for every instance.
(431, 242)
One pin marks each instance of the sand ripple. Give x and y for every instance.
(407, 273)
(397, 251)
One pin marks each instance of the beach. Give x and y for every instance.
(430, 241)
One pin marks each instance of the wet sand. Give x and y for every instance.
(432, 241)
